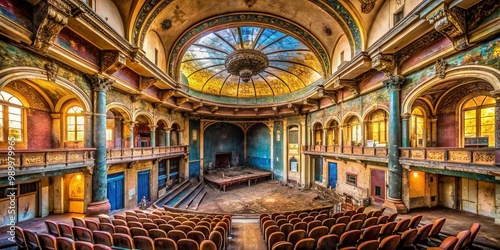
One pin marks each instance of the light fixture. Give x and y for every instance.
(246, 63)
(415, 174)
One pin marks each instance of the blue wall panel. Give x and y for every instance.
(278, 151)
(194, 148)
(194, 169)
(259, 147)
(222, 138)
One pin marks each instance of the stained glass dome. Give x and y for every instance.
(249, 61)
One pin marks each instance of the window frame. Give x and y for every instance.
(5, 104)
(348, 181)
(477, 108)
(67, 125)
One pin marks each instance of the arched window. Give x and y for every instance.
(75, 124)
(332, 133)
(417, 128)
(11, 115)
(353, 131)
(318, 134)
(378, 127)
(479, 118)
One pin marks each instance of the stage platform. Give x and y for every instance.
(228, 176)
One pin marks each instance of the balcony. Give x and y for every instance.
(459, 157)
(36, 161)
(116, 155)
(378, 154)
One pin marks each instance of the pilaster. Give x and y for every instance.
(496, 94)
(405, 129)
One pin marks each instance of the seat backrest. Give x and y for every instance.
(349, 238)
(294, 221)
(349, 213)
(286, 229)
(123, 240)
(343, 219)
(328, 242)
(370, 222)
(132, 224)
(382, 219)
(119, 217)
(337, 215)
(78, 222)
(296, 235)
(300, 225)
(166, 227)
(358, 216)
(401, 226)
(83, 245)
(371, 233)
(149, 225)
(387, 229)
(66, 230)
(422, 234)
(83, 234)
(64, 243)
(123, 230)
(318, 232)
(118, 222)
(415, 220)
(143, 243)
(196, 236)
(437, 225)
(408, 237)
(157, 233)
(165, 244)
(338, 229)
(328, 222)
(103, 238)
(103, 219)
(392, 217)
(354, 225)
(270, 230)
(368, 245)
(176, 235)
(47, 241)
(92, 225)
(52, 228)
(389, 243)
(307, 243)
(313, 224)
(205, 230)
(216, 237)
(208, 245)
(273, 238)
(107, 227)
(474, 229)
(283, 245)
(135, 231)
(19, 237)
(360, 209)
(462, 239)
(449, 243)
(102, 247)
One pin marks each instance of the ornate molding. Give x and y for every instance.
(384, 63)
(52, 70)
(135, 98)
(349, 84)
(405, 53)
(480, 11)
(146, 82)
(181, 101)
(112, 61)
(50, 17)
(197, 105)
(293, 107)
(313, 103)
(138, 55)
(214, 109)
(367, 5)
(101, 83)
(394, 82)
(165, 94)
(451, 23)
(331, 94)
(440, 68)
(275, 110)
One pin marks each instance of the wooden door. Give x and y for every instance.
(377, 186)
(142, 185)
(115, 190)
(469, 195)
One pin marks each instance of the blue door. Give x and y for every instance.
(115, 190)
(142, 185)
(332, 176)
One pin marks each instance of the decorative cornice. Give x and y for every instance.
(52, 70)
(146, 82)
(112, 61)
(181, 101)
(197, 105)
(165, 94)
(331, 94)
(440, 68)
(451, 23)
(313, 103)
(214, 109)
(394, 82)
(480, 11)
(293, 107)
(101, 83)
(138, 55)
(349, 84)
(50, 17)
(135, 98)
(422, 42)
(384, 63)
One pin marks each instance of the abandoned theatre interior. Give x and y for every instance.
(183, 107)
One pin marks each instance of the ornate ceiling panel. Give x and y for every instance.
(291, 65)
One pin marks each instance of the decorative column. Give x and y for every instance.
(303, 143)
(323, 138)
(88, 130)
(433, 119)
(202, 151)
(130, 137)
(405, 130)
(56, 130)
(152, 135)
(180, 137)
(100, 203)
(496, 94)
(271, 140)
(284, 138)
(394, 201)
(167, 136)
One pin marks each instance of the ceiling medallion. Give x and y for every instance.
(246, 63)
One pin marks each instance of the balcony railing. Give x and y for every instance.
(350, 150)
(480, 156)
(23, 158)
(119, 154)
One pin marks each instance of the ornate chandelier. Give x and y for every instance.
(246, 63)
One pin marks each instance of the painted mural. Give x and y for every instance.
(223, 138)
(423, 54)
(119, 97)
(372, 78)
(128, 76)
(379, 97)
(75, 44)
(18, 11)
(259, 147)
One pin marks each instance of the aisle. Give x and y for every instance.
(246, 235)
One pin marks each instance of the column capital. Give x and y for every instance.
(55, 115)
(452, 23)
(112, 61)
(383, 63)
(50, 17)
(101, 83)
(129, 124)
(495, 94)
(405, 116)
(152, 127)
(393, 82)
(167, 130)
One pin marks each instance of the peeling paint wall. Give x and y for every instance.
(448, 192)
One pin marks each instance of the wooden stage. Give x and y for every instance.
(228, 176)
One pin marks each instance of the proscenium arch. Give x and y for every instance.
(19, 73)
(235, 19)
(349, 23)
(484, 73)
(120, 107)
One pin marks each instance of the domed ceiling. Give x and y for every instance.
(249, 62)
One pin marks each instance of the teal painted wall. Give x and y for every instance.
(221, 138)
(259, 147)
(278, 160)
(194, 148)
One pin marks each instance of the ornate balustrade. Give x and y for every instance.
(348, 150)
(23, 159)
(120, 154)
(482, 156)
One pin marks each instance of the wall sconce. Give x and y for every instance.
(278, 135)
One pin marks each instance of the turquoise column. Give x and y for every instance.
(152, 135)
(167, 136)
(394, 201)
(100, 203)
(405, 130)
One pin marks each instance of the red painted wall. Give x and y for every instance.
(39, 130)
(447, 130)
